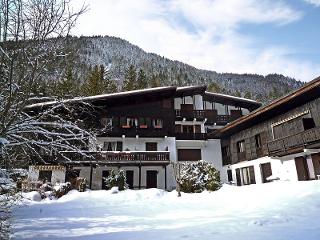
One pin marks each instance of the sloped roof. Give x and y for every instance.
(232, 100)
(307, 93)
(112, 97)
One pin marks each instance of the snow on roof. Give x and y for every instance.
(231, 97)
(102, 96)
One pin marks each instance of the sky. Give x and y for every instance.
(239, 36)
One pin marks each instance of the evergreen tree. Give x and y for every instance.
(130, 82)
(237, 94)
(155, 81)
(95, 83)
(67, 87)
(248, 95)
(142, 81)
(214, 87)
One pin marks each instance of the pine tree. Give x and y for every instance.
(95, 83)
(214, 87)
(247, 95)
(130, 82)
(67, 87)
(155, 81)
(142, 81)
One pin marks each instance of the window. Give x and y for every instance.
(258, 141)
(229, 174)
(226, 151)
(157, 123)
(151, 146)
(45, 176)
(241, 146)
(189, 154)
(106, 122)
(143, 122)
(226, 155)
(308, 123)
(248, 175)
(187, 128)
(112, 146)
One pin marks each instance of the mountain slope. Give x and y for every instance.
(117, 55)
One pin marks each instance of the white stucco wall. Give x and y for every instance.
(198, 102)
(58, 176)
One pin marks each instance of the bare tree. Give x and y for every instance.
(26, 27)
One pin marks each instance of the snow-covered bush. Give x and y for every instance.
(117, 180)
(198, 176)
(61, 189)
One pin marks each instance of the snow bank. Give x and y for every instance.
(278, 210)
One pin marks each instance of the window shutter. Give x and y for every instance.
(119, 146)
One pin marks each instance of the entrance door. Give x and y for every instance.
(105, 174)
(129, 177)
(238, 177)
(302, 168)
(266, 171)
(152, 179)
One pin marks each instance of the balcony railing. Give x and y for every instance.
(144, 156)
(286, 145)
(190, 114)
(191, 136)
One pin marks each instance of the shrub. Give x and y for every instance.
(117, 180)
(199, 176)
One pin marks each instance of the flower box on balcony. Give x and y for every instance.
(126, 126)
(143, 126)
(157, 127)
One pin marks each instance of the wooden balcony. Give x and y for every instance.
(119, 157)
(294, 143)
(145, 156)
(190, 114)
(191, 136)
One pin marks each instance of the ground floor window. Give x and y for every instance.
(248, 176)
(45, 176)
(229, 173)
(72, 174)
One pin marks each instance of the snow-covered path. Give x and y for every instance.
(282, 210)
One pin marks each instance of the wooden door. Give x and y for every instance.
(152, 179)
(105, 174)
(238, 177)
(266, 171)
(129, 178)
(302, 168)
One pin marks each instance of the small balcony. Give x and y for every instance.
(295, 143)
(191, 136)
(190, 114)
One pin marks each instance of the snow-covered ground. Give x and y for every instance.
(281, 210)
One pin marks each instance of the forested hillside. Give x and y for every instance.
(95, 65)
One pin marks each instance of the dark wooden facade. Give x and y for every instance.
(289, 130)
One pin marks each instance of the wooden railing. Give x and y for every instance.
(190, 114)
(191, 136)
(284, 145)
(134, 156)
